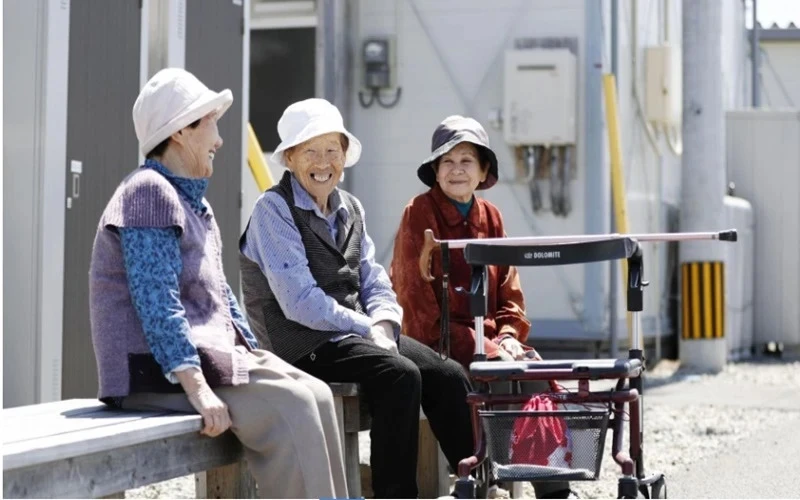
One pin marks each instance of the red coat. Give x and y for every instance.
(421, 301)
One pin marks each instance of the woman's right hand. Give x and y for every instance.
(216, 418)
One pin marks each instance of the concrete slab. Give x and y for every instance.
(764, 465)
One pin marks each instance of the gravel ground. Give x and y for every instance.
(675, 439)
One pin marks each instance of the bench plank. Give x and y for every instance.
(83, 405)
(47, 426)
(106, 472)
(147, 427)
(344, 389)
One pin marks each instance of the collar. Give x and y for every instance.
(452, 217)
(304, 201)
(192, 190)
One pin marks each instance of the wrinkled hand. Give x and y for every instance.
(382, 333)
(513, 348)
(216, 418)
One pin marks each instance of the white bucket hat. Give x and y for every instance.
(171, 100)
(304, 120)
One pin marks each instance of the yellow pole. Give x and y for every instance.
(256, 161)
(617, 175)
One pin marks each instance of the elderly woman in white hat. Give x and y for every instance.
(167, 329)
(313, 291)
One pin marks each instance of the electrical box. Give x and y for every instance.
(663, 85)
(378, 61)
(539, 106)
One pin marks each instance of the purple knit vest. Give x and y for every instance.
(124, 362)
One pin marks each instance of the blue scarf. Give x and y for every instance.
(192, 190)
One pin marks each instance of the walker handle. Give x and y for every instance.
(429, 244)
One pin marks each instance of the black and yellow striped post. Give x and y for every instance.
(703, 300)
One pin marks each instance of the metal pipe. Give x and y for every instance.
(593, 169)
(755, 51)
(555, 186)
(586, 238)
(613, 266)
(530, 160)
(614, 39)
(636, 343)
(616, 397)
(479, 335)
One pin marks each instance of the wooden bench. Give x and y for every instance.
(80, 448)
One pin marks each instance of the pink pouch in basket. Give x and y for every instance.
(541, 440)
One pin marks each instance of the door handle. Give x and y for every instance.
(76, 185)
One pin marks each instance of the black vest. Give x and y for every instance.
(335, 265)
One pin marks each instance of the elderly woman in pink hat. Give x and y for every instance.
(313, 291)
(167, 329)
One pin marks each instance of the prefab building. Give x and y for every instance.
(397, 68)
(529, 70)
(72, 70)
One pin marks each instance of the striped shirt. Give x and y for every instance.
(274, 243)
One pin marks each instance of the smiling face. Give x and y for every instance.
(317, 164)
(459, 172)
(198, 145)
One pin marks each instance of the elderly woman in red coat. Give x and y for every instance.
(461, 163)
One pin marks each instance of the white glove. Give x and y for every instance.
(382, 334)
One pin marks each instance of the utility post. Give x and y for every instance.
(702, 343)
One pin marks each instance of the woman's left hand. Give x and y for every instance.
(513, 348)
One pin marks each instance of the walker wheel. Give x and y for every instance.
(627, 487)
(465, 488)
(659, 489)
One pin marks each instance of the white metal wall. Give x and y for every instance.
(23, 24)
(449, 60)
(651, 164)
(781, 74)
(739, 276)
(763, 157)
(33, 216)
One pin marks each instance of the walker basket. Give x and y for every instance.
(574, 453)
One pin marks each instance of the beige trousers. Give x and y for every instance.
(286, 421)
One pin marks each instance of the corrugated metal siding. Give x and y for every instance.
(781, 74)
(763, 153)
(23, 23)
(104, 75)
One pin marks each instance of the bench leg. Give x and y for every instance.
(347, 414)
(230, 481)
(433, 478)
